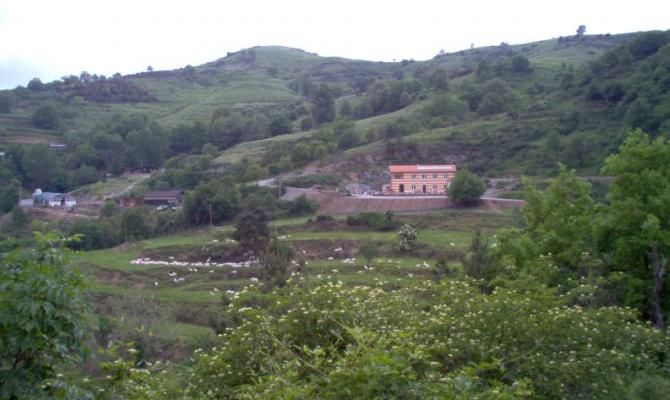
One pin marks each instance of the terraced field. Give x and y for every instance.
(185, 272)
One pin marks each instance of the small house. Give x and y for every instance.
(420, 179)
(53, 200)
(169, 198)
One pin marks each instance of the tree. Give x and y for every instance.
(279, 125)
(134, 224)
(6, 103)
(495, 98)
(520, 64)
(581, 30)
(226, 130)
(251, 230)
(301, 153)
(35, 85)
(406, 238)
(108, 147)
(110, 209)
(439, 79)
(9, 195)
(447, 107)
(40, 165)
(558, 220)
(255, 172)
(346, 134)
(483, 70)
(552, 148)
(146, 148)
(209, 149)
(83, 175)
(648, 43)
(324, 105)
(275, 261)
(368, 250)
(43, 317)
(346, 109)
(302, 205)
(478, 262)
(306, 123)
(188, 138)
(209, 202)
(46, 117)
(578, 149)
(19, 217)
(636, 226)
(466, 188)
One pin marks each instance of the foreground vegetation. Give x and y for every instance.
(569, 304)
(243, 295)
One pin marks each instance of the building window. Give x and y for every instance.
(434, 176)
(423, 176)
(397, 176)
(413, 176)
(435, 187)
(413, 187)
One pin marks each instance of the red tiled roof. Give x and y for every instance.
(422, 168)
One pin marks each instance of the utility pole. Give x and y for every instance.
(210, 215)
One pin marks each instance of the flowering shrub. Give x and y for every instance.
(406, 238)
(322, 339)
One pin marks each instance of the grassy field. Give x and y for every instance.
(199, 292)
(113, 187)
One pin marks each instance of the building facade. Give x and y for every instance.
(54, 200)
(420, 179)
(170, 198)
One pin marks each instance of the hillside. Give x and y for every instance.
(255, 274)
(499, 110)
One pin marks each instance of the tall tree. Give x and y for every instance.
(252, 230)
(559, 219)
(40, 165)
(581, 30)
(637, 222)
(209, 202)
(324, 105)
(146, 148)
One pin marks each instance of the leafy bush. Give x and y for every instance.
(43, 319)
(312, 180)
(466, 187)
(446, 340)
(46, 117)
(406, 238)
(302, 206)
(373, 220)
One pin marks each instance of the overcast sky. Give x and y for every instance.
(52, 38)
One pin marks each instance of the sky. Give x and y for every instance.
(49, 39)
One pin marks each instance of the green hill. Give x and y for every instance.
(498, 110)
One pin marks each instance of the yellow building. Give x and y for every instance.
(420, 179)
